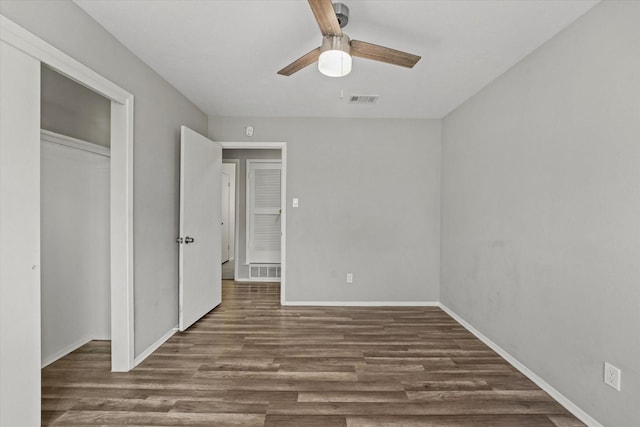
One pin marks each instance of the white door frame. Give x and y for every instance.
(122, 343)
(233, 164)
(282, 146)
(226, 225)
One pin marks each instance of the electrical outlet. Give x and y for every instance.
(349, 277)
(612, 376)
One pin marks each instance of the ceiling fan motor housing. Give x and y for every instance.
(342, 13)
(342, 43)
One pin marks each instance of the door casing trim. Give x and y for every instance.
(121, 181)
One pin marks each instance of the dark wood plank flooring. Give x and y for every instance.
(251, 362)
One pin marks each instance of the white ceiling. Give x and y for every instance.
(224, 54)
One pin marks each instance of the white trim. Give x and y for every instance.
(153, 347)
(365, 303)
(559, 397)
(282, 146)
(264, 160)
(229, 145)
(66, 350)
(121, 170)
(122, 262)
(34, 46)
(77, 144)
(283, 244)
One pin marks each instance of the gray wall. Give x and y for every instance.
(159, 112)
(540, 200)
(541, 211)
(369, 195)
(241, 183)
(71, 109)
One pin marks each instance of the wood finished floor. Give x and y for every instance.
(251, 362)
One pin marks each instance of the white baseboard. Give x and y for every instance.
(365, 303)
(559, 397)
(66, 350)
(153, 347)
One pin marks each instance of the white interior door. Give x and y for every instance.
(263, 211)
(225, 188)
(200, 204)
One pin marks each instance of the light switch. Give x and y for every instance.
(295, 202)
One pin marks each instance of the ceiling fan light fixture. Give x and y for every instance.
(335, 56)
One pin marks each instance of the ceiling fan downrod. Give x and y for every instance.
(342, 13)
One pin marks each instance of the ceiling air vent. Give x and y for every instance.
(363, 99)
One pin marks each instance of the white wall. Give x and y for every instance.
(541, 211)
(75, 292)
(241, 183)
(159, 111)
(369, 195)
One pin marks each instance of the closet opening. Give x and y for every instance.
(75, 218)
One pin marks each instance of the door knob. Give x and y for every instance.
(188, 240)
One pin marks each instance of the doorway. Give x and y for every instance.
(252, 235)
(239, 153)
(74, 206)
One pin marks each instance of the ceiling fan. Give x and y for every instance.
(334, 55)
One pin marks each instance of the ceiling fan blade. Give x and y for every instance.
(301, 62)
(326, 17)
(383, 54)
